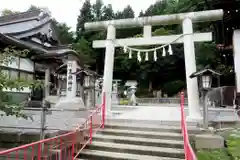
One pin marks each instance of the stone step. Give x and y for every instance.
(143, 134)
(147, 122)
(52, 99)
(150, 127)
(139, 141)
(137, 149)
(107, 155)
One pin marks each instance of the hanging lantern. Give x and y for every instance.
(170, 50)
(164, 52)
(130, 54)
(139, 56)
(146, 56)
(125, 49)
(155, 55)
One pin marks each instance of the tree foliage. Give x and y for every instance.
(65, 35)
(7, 12)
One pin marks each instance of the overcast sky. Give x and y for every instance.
(68, 10)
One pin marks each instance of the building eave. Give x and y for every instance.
(42, 52)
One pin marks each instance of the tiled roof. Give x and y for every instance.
(14, 18)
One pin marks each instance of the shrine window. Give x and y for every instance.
(14, 74)
(5, 72)
(30, 77)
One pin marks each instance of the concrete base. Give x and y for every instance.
(209, 141)
(70, 103)
(115, 99)
(194, 118)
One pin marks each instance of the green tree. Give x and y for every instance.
(82, 46)
(64, 32)
(6, 12)
(84, 16)
(98, 10)
(33, 7)
(108, 13)
(126, 13)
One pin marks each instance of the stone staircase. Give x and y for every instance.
(136, 141)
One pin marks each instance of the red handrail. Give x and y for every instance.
(103, 109)
(65, 146)
(189, 153)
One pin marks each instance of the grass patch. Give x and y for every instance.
(216, 154)
(232, 152)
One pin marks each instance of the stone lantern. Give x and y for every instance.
(89, 88)
(205, 84)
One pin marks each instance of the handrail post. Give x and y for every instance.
(189, 153)
(103, 110)
(90, 132)
(73, 144)
(39, 152)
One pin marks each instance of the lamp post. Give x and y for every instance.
(87, 81)
(86, 89)
(205, 83)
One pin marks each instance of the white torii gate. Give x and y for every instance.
(186, 19)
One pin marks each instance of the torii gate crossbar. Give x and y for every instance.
(186, 19)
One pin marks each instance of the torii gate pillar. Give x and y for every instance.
(108, 67)
(186, 19)
(190, 67)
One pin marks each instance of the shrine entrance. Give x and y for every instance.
(188, 37)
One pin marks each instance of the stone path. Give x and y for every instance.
(170, 113)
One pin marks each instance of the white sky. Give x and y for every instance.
(68, 10)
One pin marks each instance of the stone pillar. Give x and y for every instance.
(89, 99)
(71, 101)
(190, 67)
(236, 50)
(147, 31)
(108, 67)
(47, 82)
(71, 79)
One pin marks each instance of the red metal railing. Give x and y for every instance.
(63, 147)
(189, 153)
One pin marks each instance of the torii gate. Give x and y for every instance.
(186, 19)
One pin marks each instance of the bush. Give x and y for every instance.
(124, 102)
(216, 154)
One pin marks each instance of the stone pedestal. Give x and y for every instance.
(115, 99)
(209, 141)
(89, 101)
(71, 101)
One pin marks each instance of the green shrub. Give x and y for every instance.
(123, 102)
(215, 154)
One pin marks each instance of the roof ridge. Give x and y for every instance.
(22, 15)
